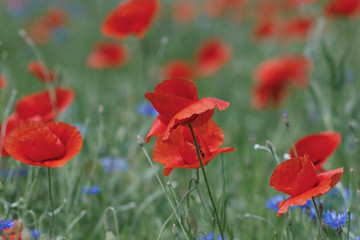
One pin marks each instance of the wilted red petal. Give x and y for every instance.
(318, 146)
(41, 72)
(326, 181)
(130, 17)
(2, 82)
(178, 69)
(211, 56)
(48, 145)
(39, 104)
(197, 113)
(294, 176)
(342, 8)
(108, 55)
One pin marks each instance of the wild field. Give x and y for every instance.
(264, 92)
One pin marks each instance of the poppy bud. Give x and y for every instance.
(289, 221)
(321, 208)
(140, 141)
(192, 221)
(110, 236)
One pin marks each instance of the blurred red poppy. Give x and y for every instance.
(178, 69)
(44, 144)
(108, 55)
(130, 17)
(55, 17)
(265, 29)
(39, 104)
(11, 123)
(297, 28)
(2, 82)
(177, 103)
(212, 55)
(297, 177)
(342, 8)
(219, 8)
(41, 28)
(298, 3)
(41, 72)
(275, 75)
(180, 150)
(184, 11)
(318, 147)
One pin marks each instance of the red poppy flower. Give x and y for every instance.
(178, 69)
(274, 76)
(297, 28)
(108, 55)
(265, 29)
(184, 11)
(2, 82)
(218, 8)
(55, 17)
(211, 56)
(39, 104)
(342, 8)
(44, 144)
(180, 151)
(39, 32)
(297, 177)
(11, 123)
(130, 17)
(298, 3)
(317, 146)
(41, 72)
(177, 103)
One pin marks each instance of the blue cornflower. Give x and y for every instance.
(308, 209)
(335, 221)
(273, 202)
(112, 164)
(14, 173)
(90, 190)
(36, 233)
(146, 109)
(357, 238)
(6, 225)
(210, 236)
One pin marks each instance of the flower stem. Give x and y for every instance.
(319, 217)
(51, 203)
(206, 181)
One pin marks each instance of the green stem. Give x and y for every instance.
(206, 181)
(51, 203)
(319, 217)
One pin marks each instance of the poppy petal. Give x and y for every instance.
(326, 181)
(198, 113)
(39, 70)
(318, 146)
(130, 17)
(48, 145)
(39, 104)
(157, 129)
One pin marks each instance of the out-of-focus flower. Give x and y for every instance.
(211, 56)
(15, 7)
(35, 233)
(40, 71)
(146, 109)
(179, 68)
(47, 145)
(273, 202)
(180, 152)
(308, 209)
(14, 173)
(297, 177)
(113, 164)
(317, 146)
(177, 103)
(274, 76)
(39, 104)
(132, 17)
(298, 3)
(93, 190)
(210, 236)
(342, 8)
(184, 11)
(297, 28)
(108, 55)
(8, 224)
(219, 8)
(2, 82)
(336, 221)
